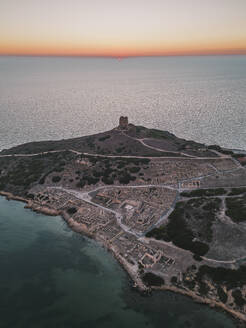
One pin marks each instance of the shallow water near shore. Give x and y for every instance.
(52, 277)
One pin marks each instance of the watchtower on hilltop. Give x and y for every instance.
(123, 122)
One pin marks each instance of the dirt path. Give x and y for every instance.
(113, 156)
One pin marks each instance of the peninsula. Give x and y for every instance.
(171, 211)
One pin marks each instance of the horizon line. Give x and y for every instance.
(124, 56)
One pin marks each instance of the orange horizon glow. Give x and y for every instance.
(125, 50)
(124, 54)
(107, 28)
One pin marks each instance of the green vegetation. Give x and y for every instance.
(159, 234)
(220, 150)
(236, 208)
(222, 295)
(190, 225)
(237, 191)
(80, 184)
(238, 298)
(204, 192)
(150, 279)
(90, 142)
(59, 169)
(23, 173)
(126, 178)
(189, 283)
(238, 155)
(197, 258)
(104, 138)
(119, 149)
(179, 233)
(90, 179)
(174, 280)
(158, 134)
(139, 129)
(229, 277)
(71, 210)
(203, 288)
(108, 170)
(56, 178)
(107, 180)
(30, 196)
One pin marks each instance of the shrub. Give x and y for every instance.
(204, 192)
(174, 280)
(222, 295)
(236, 209)
(237, 191)
(179, 233)
(237, 295)
(71, 210)
(30, 196)
(104, 138)
(81, 183)
(97, 174)
(229, 277)
(120, 149)
(134, 169)
(56, 178)
(59, 169)
(91, 180)
(107, 180)
(197, 258)
(150, 279)
(126, 178)
(203, 288)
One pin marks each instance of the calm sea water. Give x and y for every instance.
(52, 277)
(200, 98)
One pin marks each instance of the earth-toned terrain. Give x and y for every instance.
(172, 211)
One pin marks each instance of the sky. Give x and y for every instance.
(122, 27)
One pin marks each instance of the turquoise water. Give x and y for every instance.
(52, 277)
(200, 98)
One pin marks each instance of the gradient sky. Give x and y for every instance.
(122, 28)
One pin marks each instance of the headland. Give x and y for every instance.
(172, 211)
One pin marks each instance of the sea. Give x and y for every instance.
(51, 276)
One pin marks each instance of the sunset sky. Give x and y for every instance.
(122, 28)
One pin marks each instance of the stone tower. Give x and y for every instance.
(123, 122)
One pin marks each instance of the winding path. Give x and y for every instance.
(116, 156)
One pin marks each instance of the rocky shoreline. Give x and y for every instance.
(134, 276)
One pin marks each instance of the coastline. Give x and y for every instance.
(138, 283)
(203, 300)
